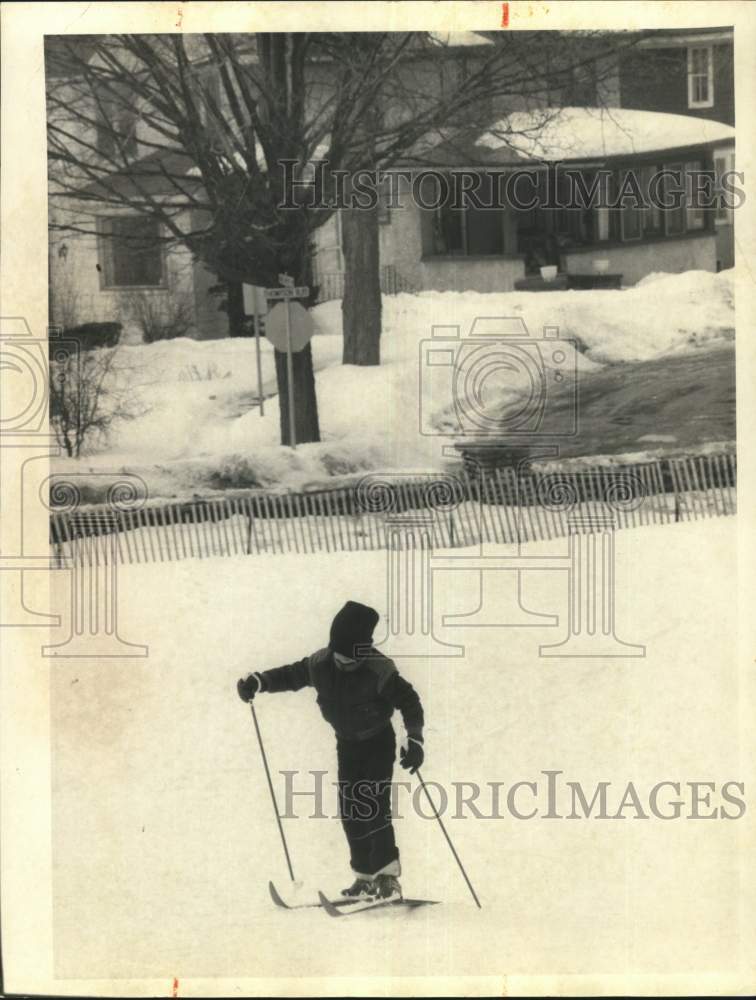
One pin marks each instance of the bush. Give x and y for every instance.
(89, 393)
(93, 335)
(160, 316)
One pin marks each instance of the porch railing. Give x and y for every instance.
(331, 283)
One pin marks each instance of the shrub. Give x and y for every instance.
(160, 316)
(88, 395)
(93, 335)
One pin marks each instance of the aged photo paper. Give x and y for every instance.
(377, 545)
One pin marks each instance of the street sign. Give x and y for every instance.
(301, 326)
(290, 292)
(286, 280)
(254, 300)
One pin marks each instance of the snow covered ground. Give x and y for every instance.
(200, 431)
(162, 824)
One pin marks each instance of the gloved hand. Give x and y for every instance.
(249, 686)
(413, 755)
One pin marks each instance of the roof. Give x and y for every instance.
(668, 38)
(459, 39)
(151, 175)
(578, 134)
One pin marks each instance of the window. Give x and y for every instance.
(723, 163)
(575, 86)
(449, 236)
(582, 87)
(116, 125)
(652, 217)
(607, 219)
(130, 252)
(208, 96)
(674, 217)
(470, 231)
(329, 257)
(694, 215)
(631, 213)
(602, 226)
(384, 198)
(684, 216)
(629, 221)
(117, 134)
(700, 77)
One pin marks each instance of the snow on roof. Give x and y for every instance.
(459, 38)
(589, 133)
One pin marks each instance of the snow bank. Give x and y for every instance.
(201, 431)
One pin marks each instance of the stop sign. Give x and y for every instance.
(301, 324)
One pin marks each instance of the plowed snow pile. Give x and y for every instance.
(199, 431)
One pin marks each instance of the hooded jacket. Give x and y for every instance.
(352, 630)
(359, 700)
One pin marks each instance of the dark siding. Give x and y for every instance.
(724, 85)
(657, 80)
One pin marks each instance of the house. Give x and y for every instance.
(681, 73)
(486, 249)
(667, 100)
(122, 268)
(110, 263)
(688, 73)
(107, 263)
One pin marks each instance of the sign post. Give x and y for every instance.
(252, 304)
(301, 333)
(290, 377)
(260, 394)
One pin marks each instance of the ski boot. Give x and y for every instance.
(387, 887)
(361, 888)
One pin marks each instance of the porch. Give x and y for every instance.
(606, 200)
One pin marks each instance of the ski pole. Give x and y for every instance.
(448, 839)
(272, 791)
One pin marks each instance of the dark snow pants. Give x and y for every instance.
(365, 770)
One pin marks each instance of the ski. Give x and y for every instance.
(371, 904)
(280, 901)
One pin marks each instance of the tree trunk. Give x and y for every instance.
(235, 306)
(361, 306)
(306, 424)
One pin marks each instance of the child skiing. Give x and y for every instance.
(357, 691)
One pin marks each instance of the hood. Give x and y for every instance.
(352, 629)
